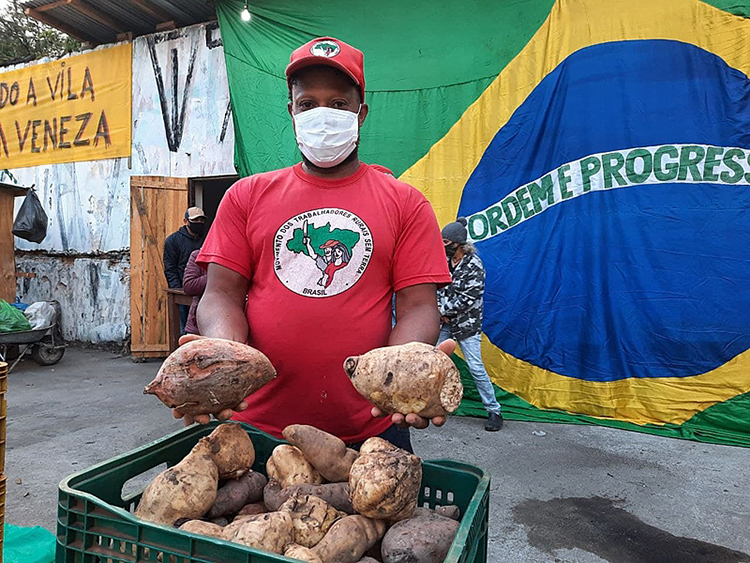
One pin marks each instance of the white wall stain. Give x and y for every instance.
(88, 203)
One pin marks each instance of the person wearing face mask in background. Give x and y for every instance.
(319, 249)
(461, 304)
(177, 250)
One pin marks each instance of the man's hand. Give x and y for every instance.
(204, 418)
(411, 419)
(445, 320)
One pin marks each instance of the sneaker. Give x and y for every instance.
(495, 422)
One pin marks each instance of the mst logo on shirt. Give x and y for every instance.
(323, 252)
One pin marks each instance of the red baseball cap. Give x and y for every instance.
(331, 52)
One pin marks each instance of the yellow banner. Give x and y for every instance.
(70, 110)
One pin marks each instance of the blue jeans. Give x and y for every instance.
(472, 350)
(184, 313)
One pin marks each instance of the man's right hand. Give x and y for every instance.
(205, 418)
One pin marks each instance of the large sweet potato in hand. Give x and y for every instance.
(209, 375)
(411, 378)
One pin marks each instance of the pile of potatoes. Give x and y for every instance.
(321, 502)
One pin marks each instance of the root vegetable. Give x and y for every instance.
(449, 511)
(253, 509)
(411, 378)
(301, 553)
(237, 493)
(348, 539)
(203, 528)
(289, 467)
(271, 532)
(335, 494)
(385, 481)
(186, 490)
(367, 560)
(311, 517)
(425, 539)
(326, 453)
(221, 521)
(209, 375)
(231, 449)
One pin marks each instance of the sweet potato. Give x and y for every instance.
(237, 493)
(311, 517)
(289, 467)
(348, 539)
(411, 378)
(253, 508)
(220, 521)
(325, 452)
(335, 494)
(425, 539)
(203, 528)
(231, 449)
(209, 375)
(301, 553)
(449, 511)
(385, 481)
(270, 532)
(186, 490)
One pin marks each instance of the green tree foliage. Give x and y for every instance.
(24, 39)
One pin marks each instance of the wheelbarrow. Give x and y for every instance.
(45, 345)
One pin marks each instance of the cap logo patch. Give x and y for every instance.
(325, 49)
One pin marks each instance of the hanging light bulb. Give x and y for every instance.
(245, 15)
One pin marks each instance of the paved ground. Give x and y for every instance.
(577, 494)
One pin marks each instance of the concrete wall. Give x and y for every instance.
(84, 261)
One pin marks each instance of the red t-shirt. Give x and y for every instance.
(283, 231)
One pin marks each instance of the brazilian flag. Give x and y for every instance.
(600, 150)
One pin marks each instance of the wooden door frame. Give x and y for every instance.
(149, 228)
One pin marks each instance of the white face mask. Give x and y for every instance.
(326, 136)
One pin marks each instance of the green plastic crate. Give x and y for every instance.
(95, 523)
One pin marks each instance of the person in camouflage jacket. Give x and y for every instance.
(461, 306)
(461, 303)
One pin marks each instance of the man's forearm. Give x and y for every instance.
(418, 324)
(219, 317)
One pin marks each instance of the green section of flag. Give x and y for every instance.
(736, 7)
(424, 65)
(726, 423)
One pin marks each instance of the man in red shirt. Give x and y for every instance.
(319, 249)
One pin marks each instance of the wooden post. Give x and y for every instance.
(8, 194)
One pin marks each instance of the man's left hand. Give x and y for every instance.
(414, 420)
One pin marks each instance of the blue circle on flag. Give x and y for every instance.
(641, 281)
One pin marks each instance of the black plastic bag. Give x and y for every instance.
(31, 221)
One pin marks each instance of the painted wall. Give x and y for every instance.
(182, 122)
(182, 127)
(94, 293)
(87, 205)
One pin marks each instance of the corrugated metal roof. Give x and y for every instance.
(138, 17)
